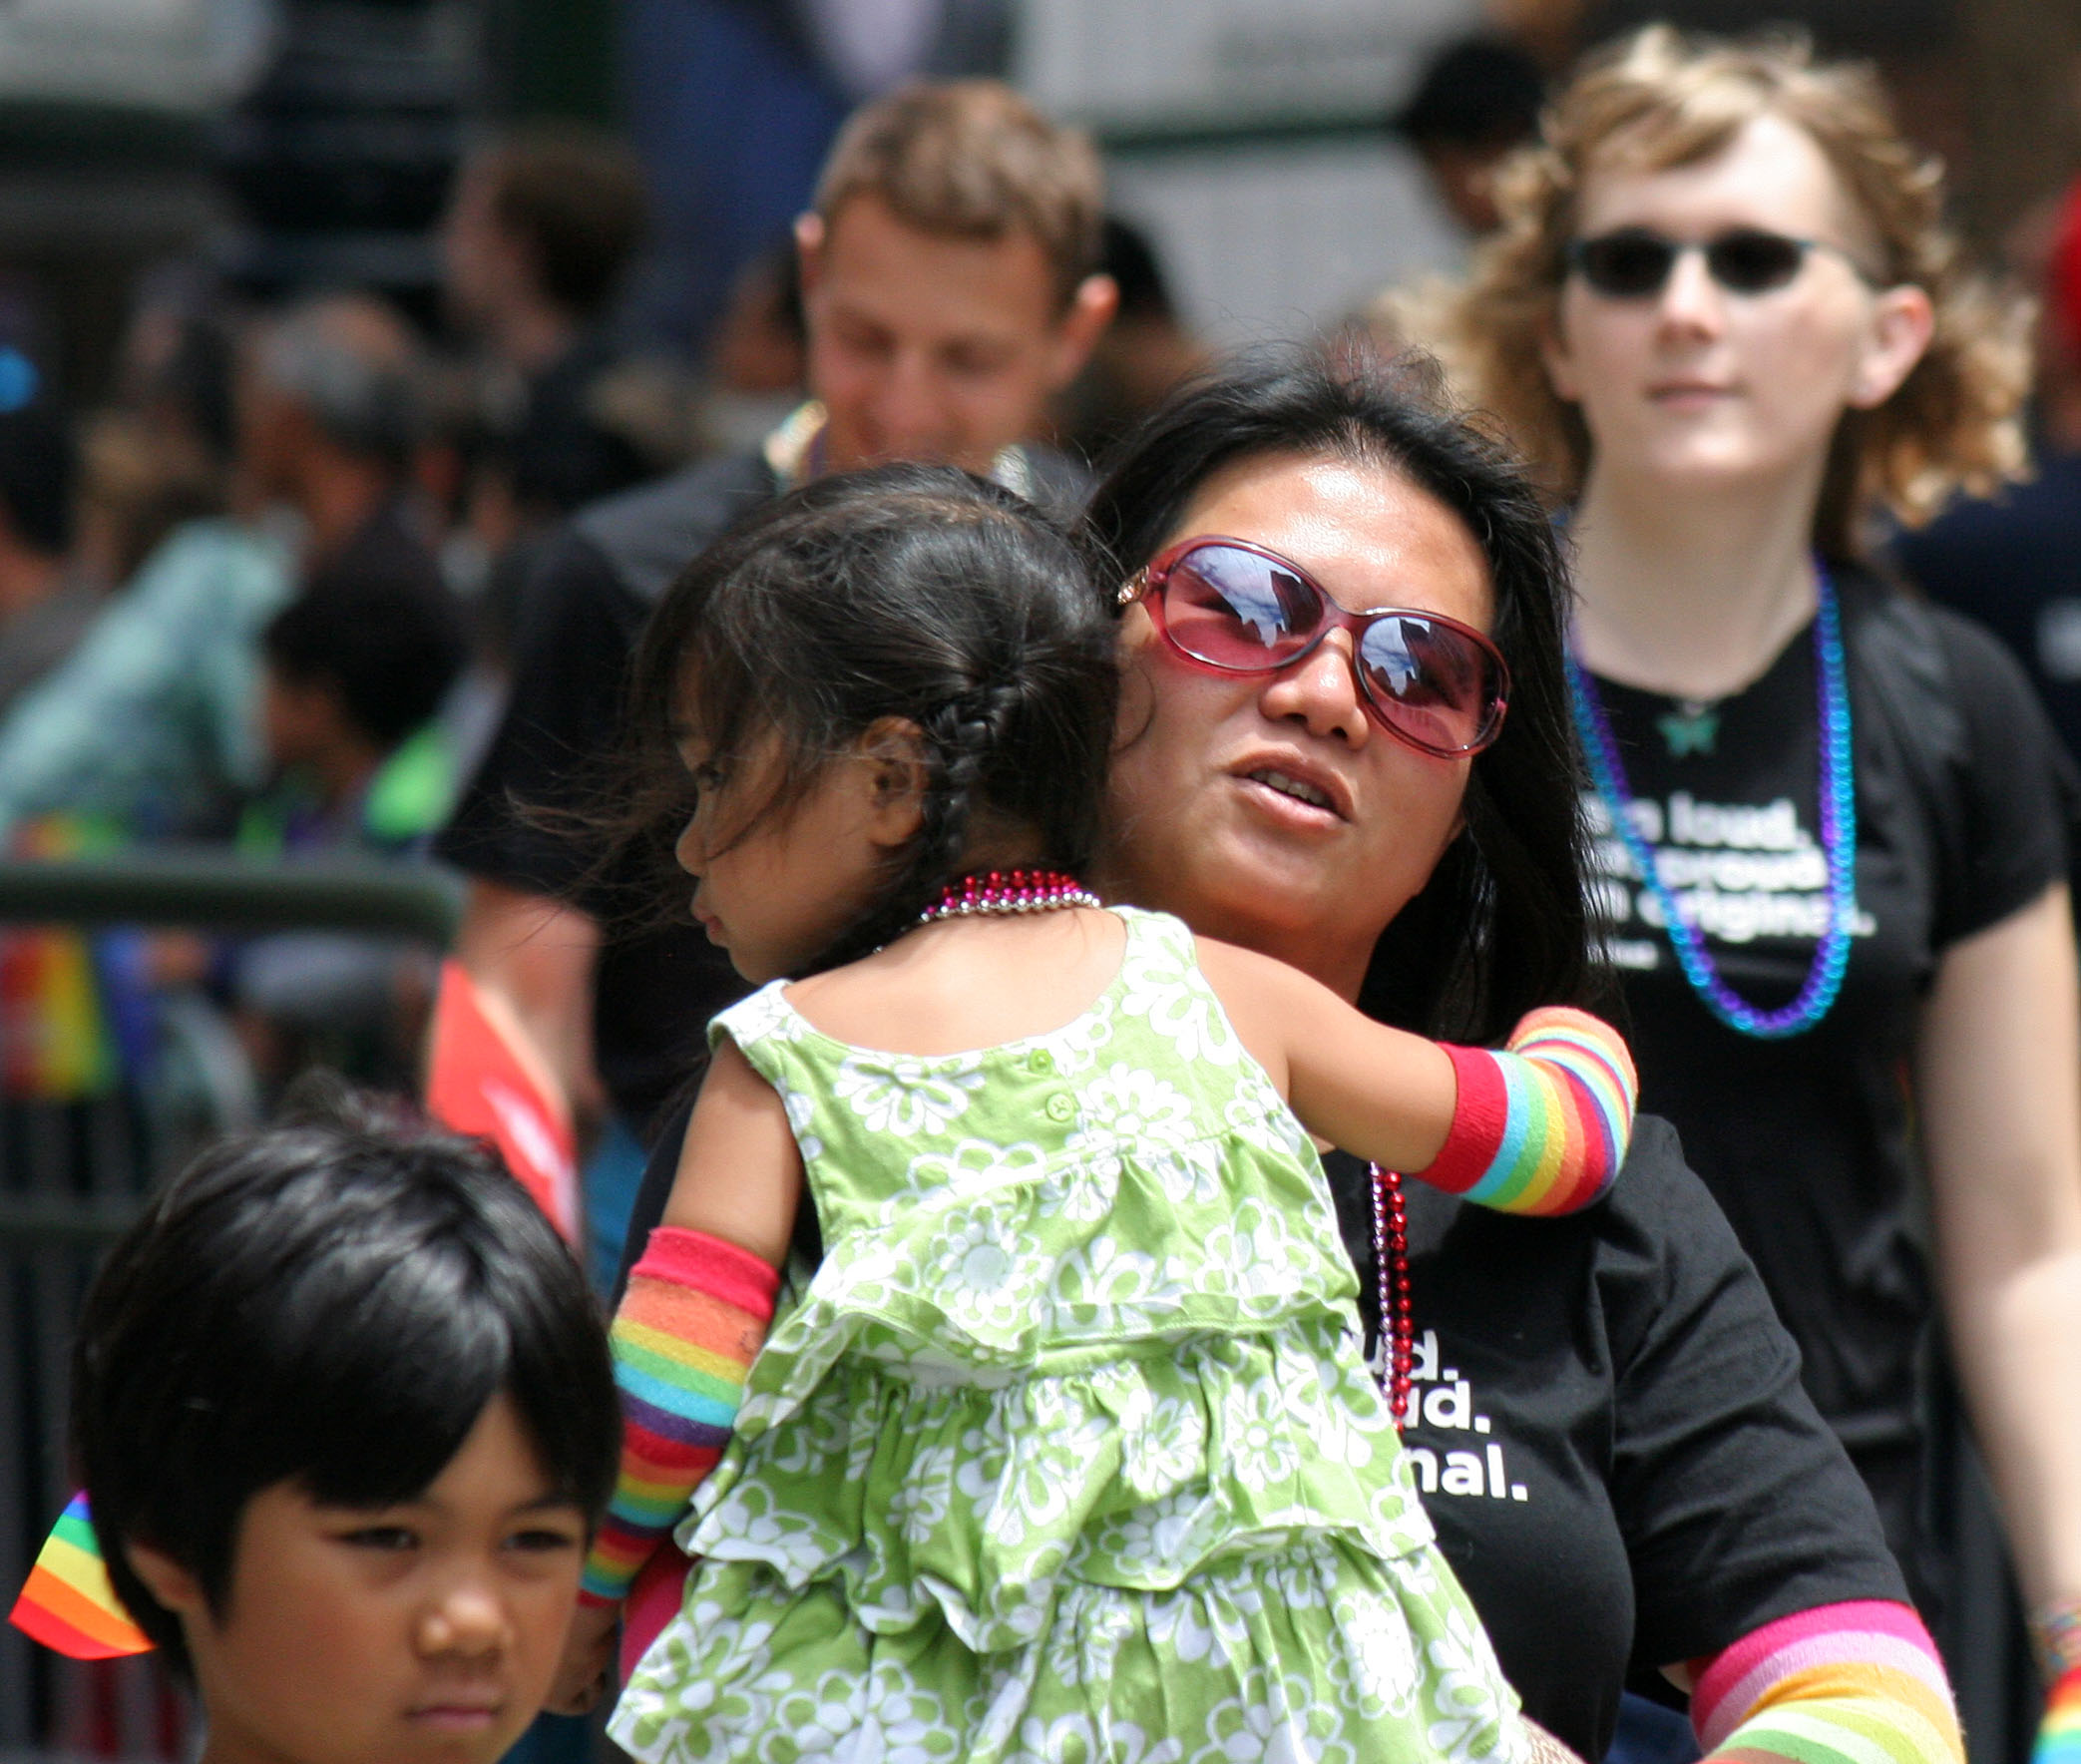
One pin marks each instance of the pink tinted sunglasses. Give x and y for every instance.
(1225, 604)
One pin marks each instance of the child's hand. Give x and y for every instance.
(589, 1658)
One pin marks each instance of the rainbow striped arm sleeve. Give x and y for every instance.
(1856, 1683)
(689, 1329)
(67, 1602)
(2060, 1734)
(1542, 1126)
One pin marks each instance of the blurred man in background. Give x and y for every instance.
(534, 248)
(950, 289)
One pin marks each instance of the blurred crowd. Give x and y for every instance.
(329, 578)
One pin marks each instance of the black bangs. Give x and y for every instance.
(331, 1307)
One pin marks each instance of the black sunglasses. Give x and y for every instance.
(1635, 262)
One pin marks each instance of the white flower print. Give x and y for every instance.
(764, 1016)
(802, 1111)
(1273, 1723)
(1199, 1625)
(1162, 985)
(1168, 1447)
(1375, 1636)
(1077, 1739)
(921, 1501)
(1077, 1048)
(961, 1171)
(983, 1272)
(1127, 1103)
(747, 1526)
(1473, 1705)
(904, 1098)
(1100, 1286)
(1086, 1640)
(889, 1718)
(1151, 1540)
(1081, 1188)
(1260, 1441)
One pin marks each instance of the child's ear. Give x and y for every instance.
(893, 750)
(171, 1586)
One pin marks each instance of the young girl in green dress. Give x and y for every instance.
(1059, 1444)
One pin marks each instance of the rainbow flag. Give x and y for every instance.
(2060, 1734)
(68, 1604)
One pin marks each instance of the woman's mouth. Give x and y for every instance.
(1292, 797)
(1289, 786)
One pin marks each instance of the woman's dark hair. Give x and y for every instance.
(914, 592)
(331, 1304)
(1502, 925)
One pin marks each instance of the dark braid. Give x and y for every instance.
(913, 593)
(959, 738)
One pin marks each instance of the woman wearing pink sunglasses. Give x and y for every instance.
(1344, 739)
(1726, 320)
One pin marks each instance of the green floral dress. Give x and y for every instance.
(1065, 1451)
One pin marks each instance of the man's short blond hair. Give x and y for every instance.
(973, 159)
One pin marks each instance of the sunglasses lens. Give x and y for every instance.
(1627, 266)
(1233, 609)
(1436, 685)
(1750, 261)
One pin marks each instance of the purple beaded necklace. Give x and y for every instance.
(1838, 840)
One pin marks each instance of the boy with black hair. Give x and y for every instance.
(352, 670)
(343, 1410)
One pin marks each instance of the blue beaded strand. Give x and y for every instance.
(1838, 841)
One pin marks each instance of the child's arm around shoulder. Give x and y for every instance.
(1541, 1126)
(741, 1172)
(1379, 1093)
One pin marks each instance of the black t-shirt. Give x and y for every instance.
(1808, 1141)
(581, 617)
(1608, 1431)
(562, 454)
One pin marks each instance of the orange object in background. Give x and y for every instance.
(484, 1078)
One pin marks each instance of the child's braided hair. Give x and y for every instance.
(919, 593)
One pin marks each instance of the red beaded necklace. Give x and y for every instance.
(1008, 891)
(1391, 1277)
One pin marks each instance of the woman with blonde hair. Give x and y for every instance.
(1725, 319)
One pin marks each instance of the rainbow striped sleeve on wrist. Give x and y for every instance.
(689, 1327)
(2059, 1733)
(1855, 1684)
(1542, 1126)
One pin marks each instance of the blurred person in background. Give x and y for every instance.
(951, 288)
(759, 356)
(151, 726)
(1725, 318)
(355, 673)
(2014, 560)
(537, 236)
(1147, 350)
(1476, 102)
(47, 597)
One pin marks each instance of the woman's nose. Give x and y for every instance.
(1321, 691)
(1690, 300)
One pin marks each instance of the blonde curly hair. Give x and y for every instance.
(1659, 99)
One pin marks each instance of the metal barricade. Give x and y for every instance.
(73, 1174)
